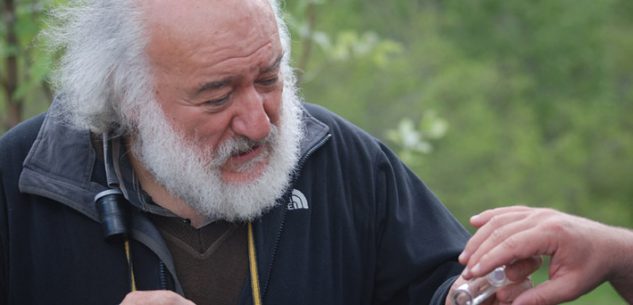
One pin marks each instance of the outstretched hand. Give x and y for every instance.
(583, 253)
(519, 281)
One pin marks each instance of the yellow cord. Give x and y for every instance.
(128, 255)
(252, 259)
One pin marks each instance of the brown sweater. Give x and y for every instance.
(211, 262)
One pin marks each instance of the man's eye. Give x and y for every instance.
(268, 81)
(217, 103)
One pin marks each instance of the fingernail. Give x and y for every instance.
(474, 218)
(466, 273)
(476, 269)
(462, 256)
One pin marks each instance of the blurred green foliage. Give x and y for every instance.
(490, 102)
(24, 63)
(535, 96)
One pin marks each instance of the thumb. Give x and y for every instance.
(550, 292)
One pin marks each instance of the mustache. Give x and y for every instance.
(241, 144)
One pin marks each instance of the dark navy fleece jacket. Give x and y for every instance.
(355, 226)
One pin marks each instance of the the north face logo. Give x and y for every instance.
(297, 201)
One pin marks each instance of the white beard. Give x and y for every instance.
(194, 176)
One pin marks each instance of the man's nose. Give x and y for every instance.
(251, 119)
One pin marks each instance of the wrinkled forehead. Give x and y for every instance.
(222, 22)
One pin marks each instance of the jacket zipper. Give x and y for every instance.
(283, 219)
(163, 276)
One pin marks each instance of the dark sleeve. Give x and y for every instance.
(14, 147)
(3, 247)
(419, 239)
(4, 229)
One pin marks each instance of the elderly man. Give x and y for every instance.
(177, 123)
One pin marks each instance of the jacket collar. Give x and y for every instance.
(59, 165)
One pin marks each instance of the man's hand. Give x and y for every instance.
(155, 297)
(583, 253)
(517, 273)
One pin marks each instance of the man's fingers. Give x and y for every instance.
(550, 292)
(155, 297)
(522, 269)
(510, 292)
(483, 217)
(515, 248)
(493, 232)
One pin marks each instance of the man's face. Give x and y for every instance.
(226, 136)
(216, 69)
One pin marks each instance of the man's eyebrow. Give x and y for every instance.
(274, 66)
(213, 85)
